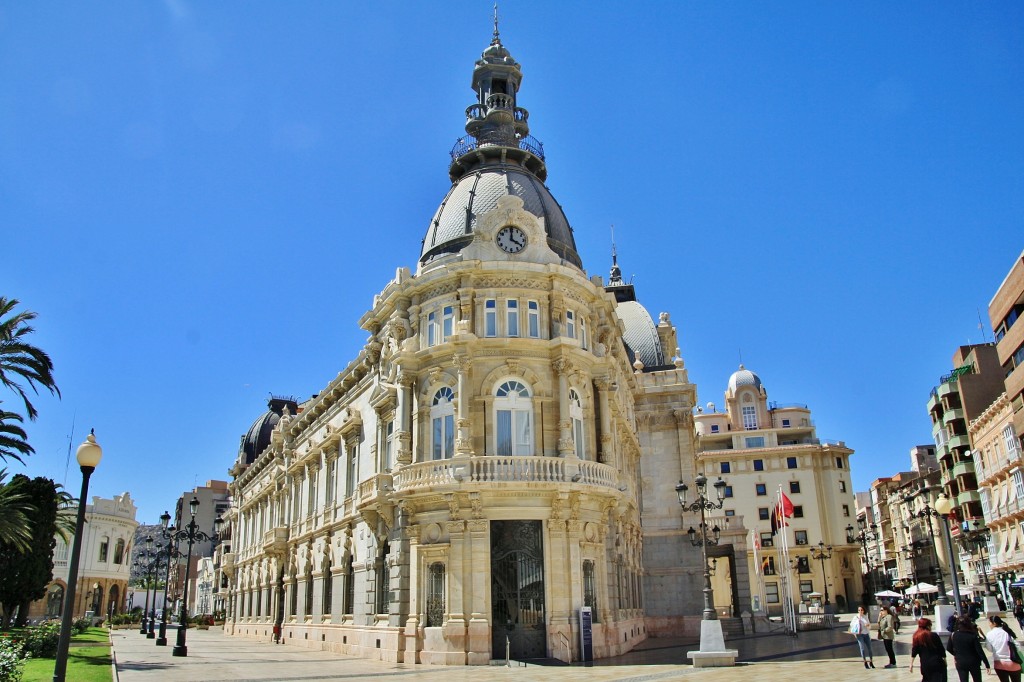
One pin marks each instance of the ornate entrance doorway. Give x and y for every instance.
(517, 589)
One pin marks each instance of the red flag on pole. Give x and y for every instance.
(780, 512)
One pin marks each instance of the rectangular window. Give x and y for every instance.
(103, 551)
(583, 331)
(447, 320)
(435, 595)
(755, 441)
(353, 470)
(761, 489)
(767, 540)
(839, 462)
(714, 428)
(570, 324)
(794, 487)
(758, 465)
(803, 565)
(730, 512)
(725, 468)
(490, 317)
(1012, 444)
(589, 587)
(846, 510)
(771, 592)
(1018, 483)
(768, 565)
(801, 537)
(798, 511)
(842, 486)
(762, 513)
(806, 587)
(791, 462)
(533, 319)
(728, 491)
(785, 423)
(749, 418)
(512, 317)
(389, 445)
(431, 329)
(329, 479)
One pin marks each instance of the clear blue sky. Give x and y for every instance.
(201, 199)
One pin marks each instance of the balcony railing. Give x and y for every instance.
(495, 469)
(468, 143)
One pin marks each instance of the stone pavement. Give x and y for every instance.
(214, 657)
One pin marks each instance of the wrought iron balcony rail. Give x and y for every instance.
(468, 143)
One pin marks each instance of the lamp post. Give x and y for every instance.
(165, 531)
(943, 507)
(927, 512)
(703, 538)
(979, 538)
(862, 537)
(190, 534)
(153, 577)
(143, 565)
(88, 456)
(821, 554)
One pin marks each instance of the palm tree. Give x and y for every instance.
(20, 361)
(15, 511)
(13, 440)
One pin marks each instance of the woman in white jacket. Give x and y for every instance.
(1000, 638)
(860, 628)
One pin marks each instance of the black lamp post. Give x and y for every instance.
(154, 574)
(164, 520)
(821, 554)
(88, 456)
(927, 512)
(190, 534)
(979, 538)
(143, 565)
(862, 537)
(704, 538)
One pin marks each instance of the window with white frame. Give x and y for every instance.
(771, 593)
(389, 445)
(749, 417)
(353, 470)
(442, 424)
(511, 317)
(570, 324)
(806, 587)
(533, 319)
(1018, 483)
(432, 328)
(985, 494)
(1011, 444)
(513, 407)
(447, 322)
(576, 415)
(490, 317)
(60, 552)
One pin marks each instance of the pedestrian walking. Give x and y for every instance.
(1018, 613)
(1000, 640)
(928, 646)
(860, 628)
(887, 633)
(917, 611)
(968, 655)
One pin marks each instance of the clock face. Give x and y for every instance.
(511, 239)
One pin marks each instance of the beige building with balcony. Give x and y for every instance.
(1004, 312)
(502, 452)
(760, 447)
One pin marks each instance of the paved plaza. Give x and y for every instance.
(769, 658)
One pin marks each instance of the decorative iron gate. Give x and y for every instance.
(517, 589)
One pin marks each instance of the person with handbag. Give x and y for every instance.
(887, 633)
(860, 628)
(1005, 657)
(928, 646)
(968, 655)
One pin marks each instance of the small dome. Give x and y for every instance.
(257, 438)
(744, 377)
(641, 335)
(477, 193)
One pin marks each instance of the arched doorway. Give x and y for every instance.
(96, 604)
(114, 601)
(54, 601)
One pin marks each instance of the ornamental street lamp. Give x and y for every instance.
(143, 566)
(863, 537)
(979, 538)
(166, 532)
(154, 574)
(190, 534)
(703, 537)
(943, 506)
(821, 554)
(927, 512)
(88, 456)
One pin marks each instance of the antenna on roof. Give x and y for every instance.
(981, 326)
(740, 351)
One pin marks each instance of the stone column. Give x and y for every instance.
(413, 632)
(463, 437)
(479, 632)
(403, 454)
(561, 368)
(604, 437)
(455, 627)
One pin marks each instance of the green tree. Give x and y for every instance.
(26, 573)
(20, 361)
(13, 439)
(15, 511)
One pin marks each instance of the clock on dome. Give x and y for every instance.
(511, 239)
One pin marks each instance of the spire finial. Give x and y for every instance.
(497, 39)
(615, 277)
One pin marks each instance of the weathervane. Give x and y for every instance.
(497, 39)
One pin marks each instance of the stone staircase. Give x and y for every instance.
(732, 627)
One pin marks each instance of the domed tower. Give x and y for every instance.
(497, 158)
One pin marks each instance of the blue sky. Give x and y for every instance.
(200, 199)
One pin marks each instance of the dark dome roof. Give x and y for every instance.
(477, 193)
(257, 438)
(641, 335)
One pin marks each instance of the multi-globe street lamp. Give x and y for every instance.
(863, 537)
(928, 512)
(88, 455)
(978, 538)
(190, 534)
(821, 553)
(704, 537)
(166, 532)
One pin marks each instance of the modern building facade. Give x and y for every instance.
(761, 448)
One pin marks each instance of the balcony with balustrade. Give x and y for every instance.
(502, 472)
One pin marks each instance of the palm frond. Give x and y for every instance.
(20, 359)
(15, 510)
(13, 439)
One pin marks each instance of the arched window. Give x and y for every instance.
(576, 415)
(442, 423)
(514, 416)
(119, 551)
(328, 594)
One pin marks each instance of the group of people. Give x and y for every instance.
(964, 644)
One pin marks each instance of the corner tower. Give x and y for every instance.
(496, 158)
